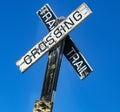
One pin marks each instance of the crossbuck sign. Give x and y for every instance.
(71, 52)
(54, 37)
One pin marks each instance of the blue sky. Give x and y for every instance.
(98, 38)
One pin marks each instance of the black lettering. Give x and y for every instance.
(62, 28)
(50, 40)
(69, 24)
(27, 59)
(42, 46)
(34, 52)
(77, 16)
(57, 33)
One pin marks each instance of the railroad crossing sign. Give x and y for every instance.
(71, 52)
(54, 37)
(56, 42)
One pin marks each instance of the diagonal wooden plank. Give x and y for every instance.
(48, 17)
(54, 37)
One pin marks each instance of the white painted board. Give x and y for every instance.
(54, 37)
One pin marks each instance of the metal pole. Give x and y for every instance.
(45, 103)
